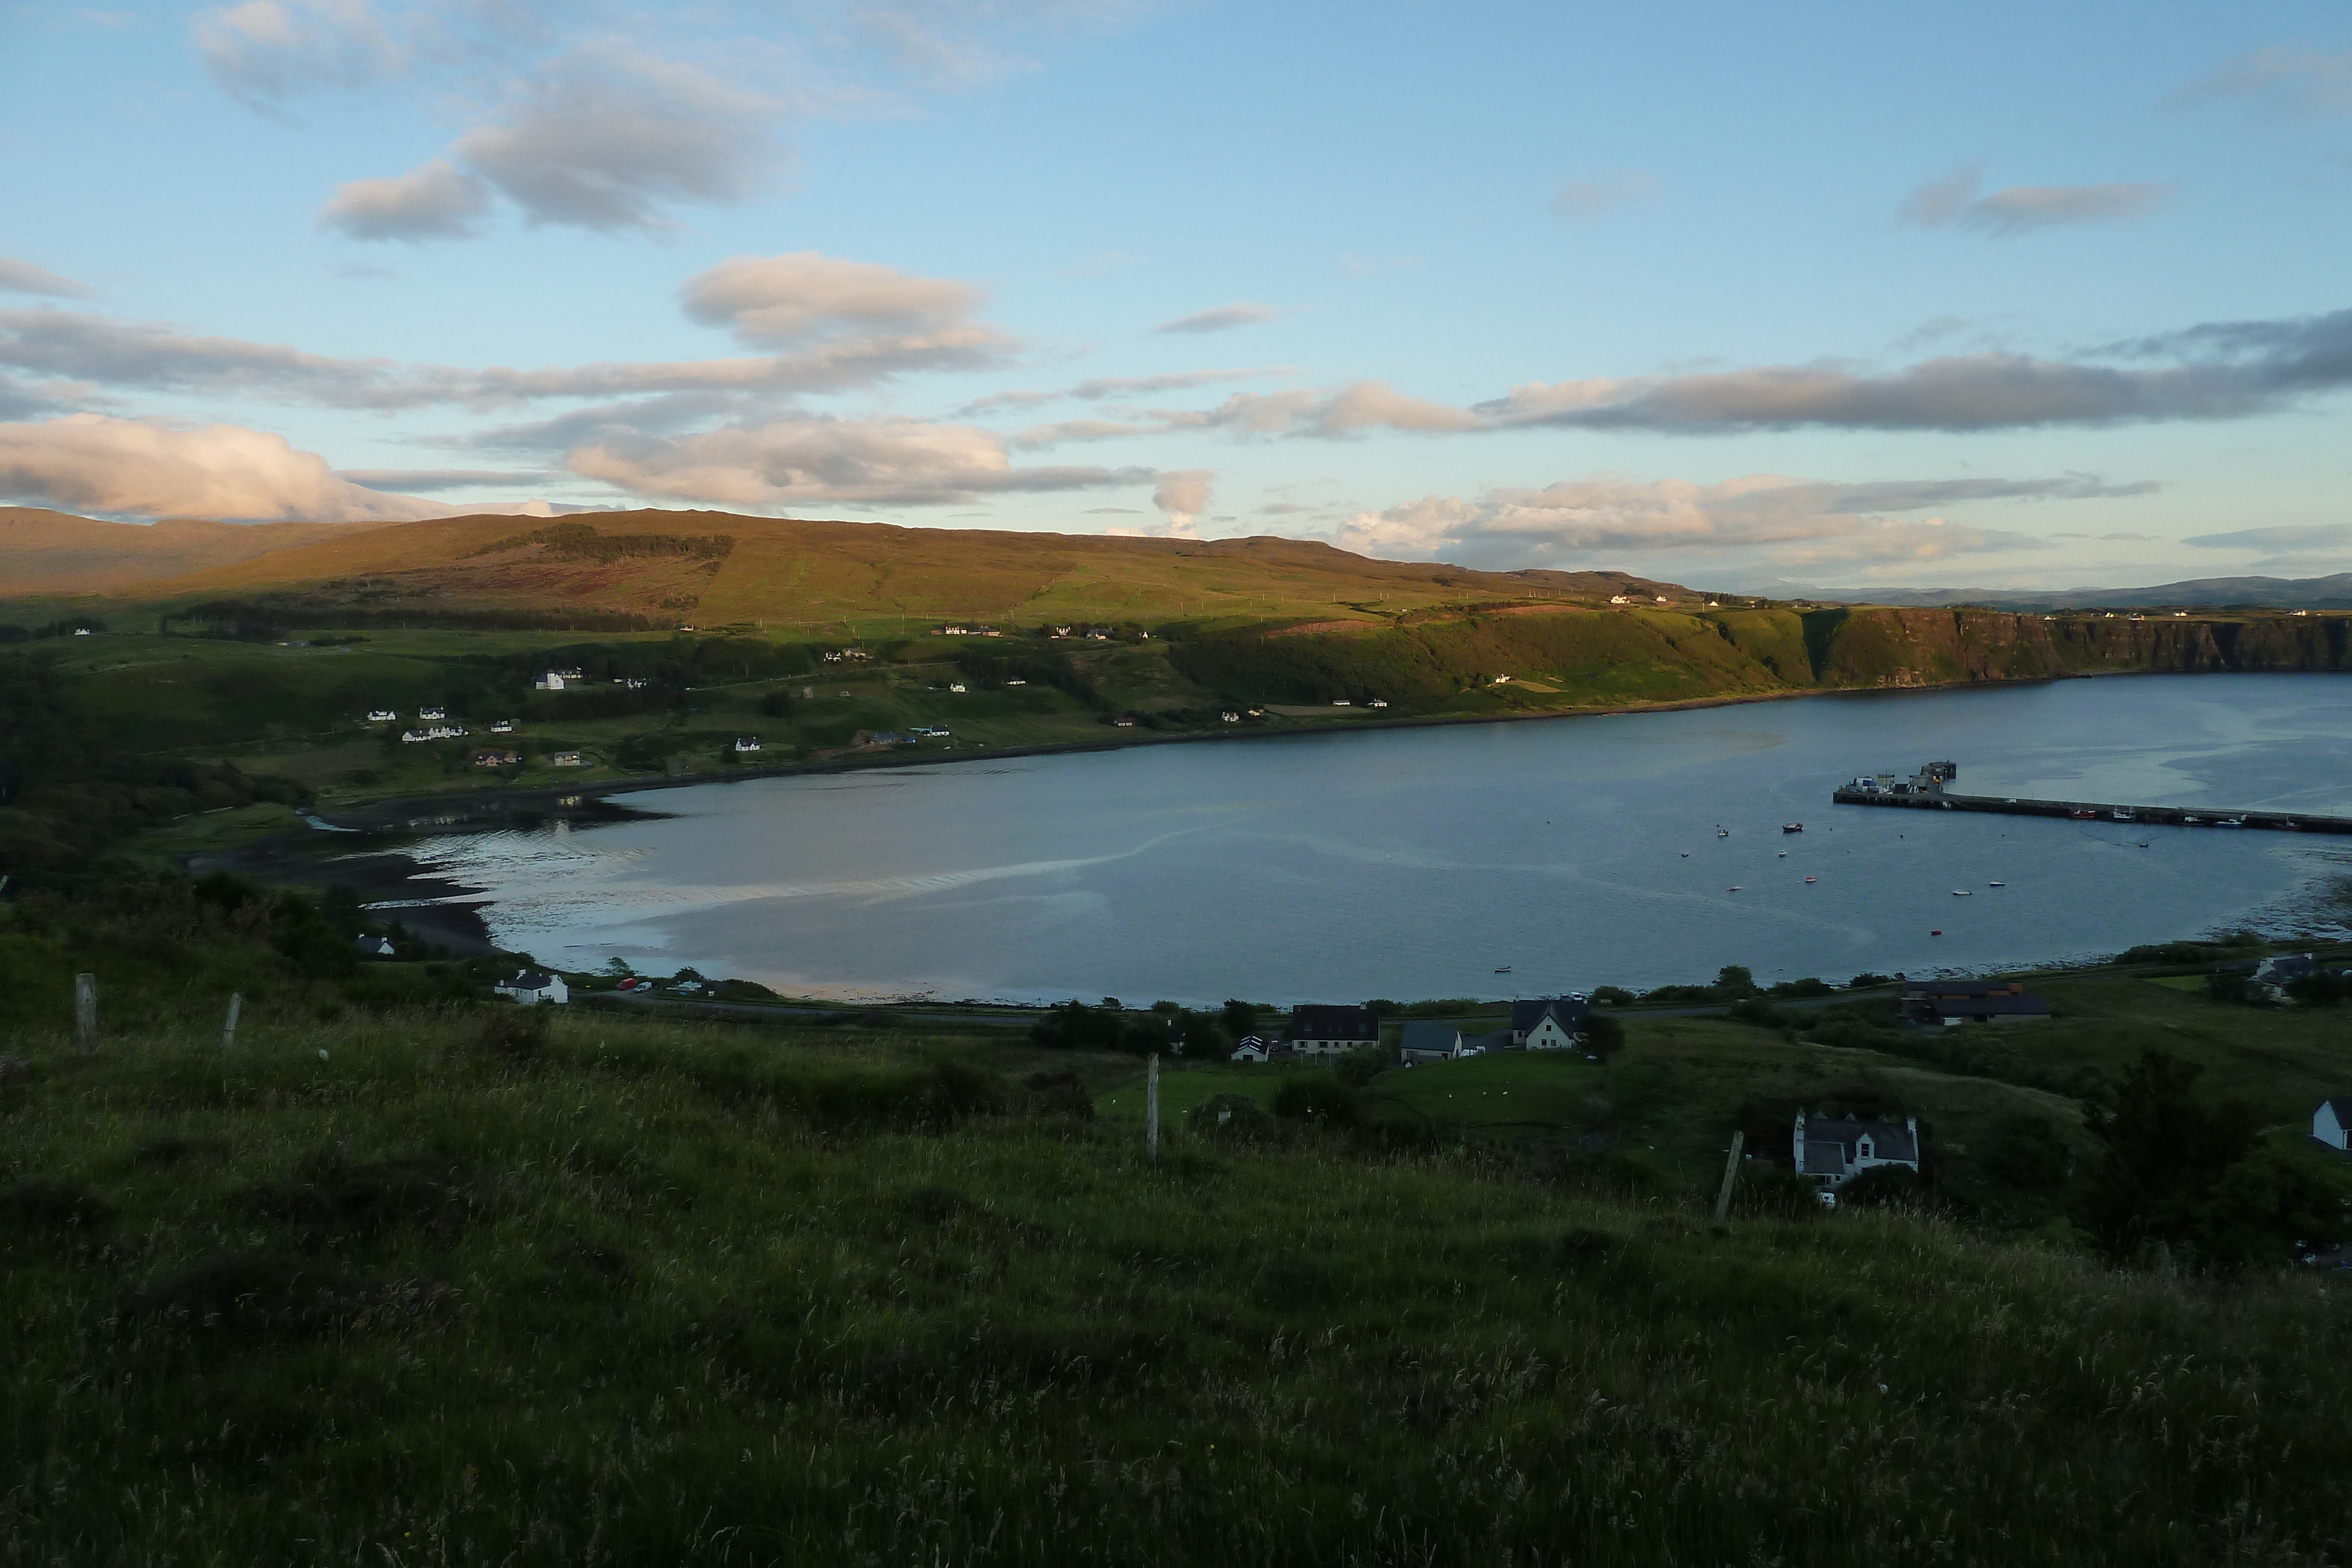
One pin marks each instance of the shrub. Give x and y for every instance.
(517, 1035)
(1604, 1037)
(1321, 1097)
(1611, 996)
(1758, 1011)
(1236, 1118)
(1884, 1187)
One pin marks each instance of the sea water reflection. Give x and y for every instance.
(1416, 863)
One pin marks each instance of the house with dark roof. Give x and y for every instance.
(2332, 1123)
(1547, 1023)
(1426, 1041)
(1833, 1151)
(1954, 1002)
(2273, 976)
(532, 986)
(1329, 1030)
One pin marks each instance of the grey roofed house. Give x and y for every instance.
(1547, 1023)
(2332, 1123)
(1928, 990)
(1426, 1041)
(1834, 1150)
(372, 946)
(2284, 969)
(1991, 1006)
(1322, 1030)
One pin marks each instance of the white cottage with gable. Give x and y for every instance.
(1834, 1151)
(2332, 1123)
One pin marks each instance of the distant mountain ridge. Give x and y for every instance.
(2333, 592)
(728, 568)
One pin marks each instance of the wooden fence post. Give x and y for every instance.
(86, 1012)
(1151, 1109)
(228, 1030)
(1730, 1174)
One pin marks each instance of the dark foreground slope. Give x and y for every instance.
(386, 1285)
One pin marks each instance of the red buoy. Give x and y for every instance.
(1935, 933)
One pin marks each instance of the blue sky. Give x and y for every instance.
(1733, 295)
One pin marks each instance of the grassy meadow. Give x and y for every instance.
(399, 1280)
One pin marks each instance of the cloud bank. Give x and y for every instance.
(1220, 319)
(792, 459)
(1801, 520)
(1952, 202)
(24, 277)
(89, 463)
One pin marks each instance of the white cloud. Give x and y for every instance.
(1105, 387)
(1364, 405)
(1585, 200)
(89, 463)
(1220, 319)
(432, 201)
(2292, 83)
(438, 479)
(265, 52)
(605, 139)
(24, 277)
(1183, 496)
(795, 459)
(778, 301)
(2294, 539)
(1796, 520)
(1952, 202)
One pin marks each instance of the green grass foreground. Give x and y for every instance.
(368, 1289)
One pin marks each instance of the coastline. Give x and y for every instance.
(394, 812)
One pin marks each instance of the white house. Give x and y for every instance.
(746, 743)
(549, 681)
(532, 986)
(1252, 1048)
(372, 946)
(503, 726)
(1835, 1152)
(1547, 1023)
(382, 715)
(429, 714)
(2332, 1123)
(567, 759)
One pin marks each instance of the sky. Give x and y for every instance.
(1743, 296)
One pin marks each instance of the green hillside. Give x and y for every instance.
(402, 1279)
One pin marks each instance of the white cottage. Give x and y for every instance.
(532, 986)
(1834, 1152)
(2332, 1123)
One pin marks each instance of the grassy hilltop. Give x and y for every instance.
(696, 629)
(402, 1279)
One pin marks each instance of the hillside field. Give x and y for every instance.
(397, 1279)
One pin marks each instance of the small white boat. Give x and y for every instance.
(2189, 819)
(2125, 816)
(2231, 823)
(1722, 832)
(1784, 854)
(1996, 885)
(1959, 893)
(1811, 879)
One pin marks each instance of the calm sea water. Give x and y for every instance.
(1409, 864)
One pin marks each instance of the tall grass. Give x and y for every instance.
(671, 1294)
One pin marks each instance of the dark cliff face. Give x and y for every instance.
(1644, 655)
(1885, 647)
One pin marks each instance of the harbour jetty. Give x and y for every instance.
(1929, 790)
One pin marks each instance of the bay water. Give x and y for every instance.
(1411, 864)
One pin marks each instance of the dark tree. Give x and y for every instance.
(2165, 1153)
